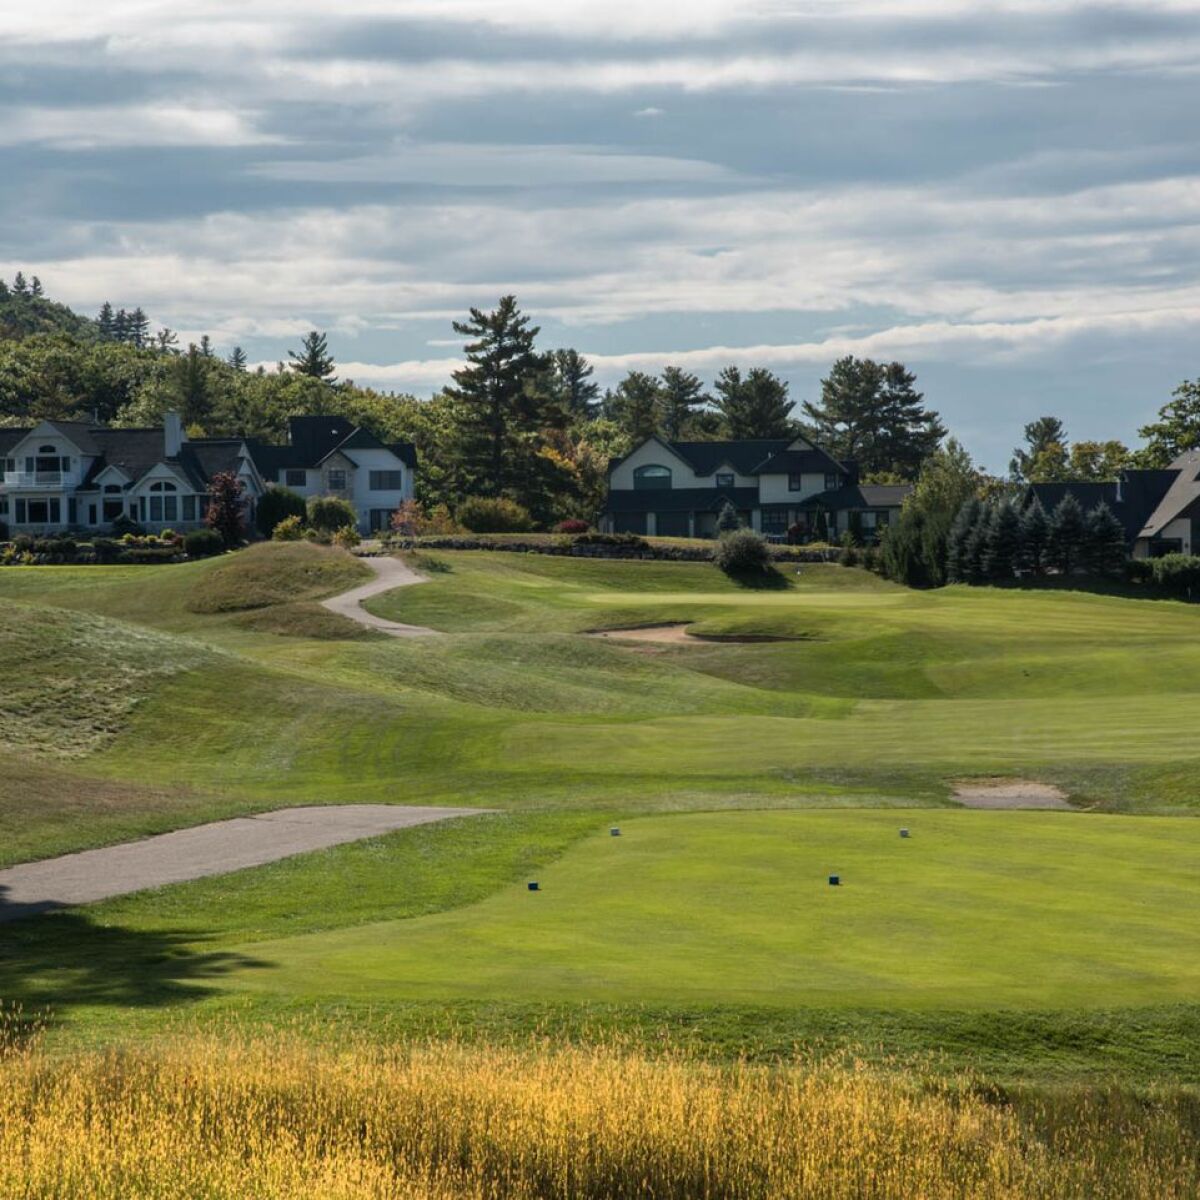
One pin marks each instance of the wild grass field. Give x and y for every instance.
(790, 740)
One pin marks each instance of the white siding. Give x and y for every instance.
(652, 453)
(773, 489)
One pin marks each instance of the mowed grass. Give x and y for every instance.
(973, 911)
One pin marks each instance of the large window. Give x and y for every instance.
(164, 504)
(39, 512)
(652, 478)
(295, 477)
(795, 482)
(189, 508)
(832, 482)
(774, 521)
(336, 479)
(386, 481)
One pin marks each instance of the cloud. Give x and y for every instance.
(130, 125)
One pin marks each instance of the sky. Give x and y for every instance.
(1003, 196)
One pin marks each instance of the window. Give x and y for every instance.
(47, 449)
(774, 521)
(164, 504)
(336, 480)
(3, 506)
(113, 509)
(189, 508)
(91, 514)
(652, 478)
(832, 482)
(386, 481)
(795, 483)
(867, 520)
(295, 477)
(39, 512)
(110, 488)
(72, 511)
(725, 480)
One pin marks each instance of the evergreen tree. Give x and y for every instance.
(139, 328)
(167, 340)
(1002, 543)
(1066, 539)
(35, 288)
(682, 397)
(871, 413)
(975, 547)
(500, 404)
(189, 386)
(314, 359)
(956, 543)
(573, 377)
(120, 326)
(728, 519)
(1106, 545)
(4, 292)
(756, 406)
(104, 322)
(1043, 458)
(206, 346)
(1035, 534)
(20, 287)
(237, 360)
(636, 406)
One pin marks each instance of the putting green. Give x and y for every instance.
(974, 910)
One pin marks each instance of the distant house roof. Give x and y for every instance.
(1181, 495)
(800, 462)
(744, 456)
(861, 495)
(313, 439)
(1135, 501)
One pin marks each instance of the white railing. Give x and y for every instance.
(41, 479)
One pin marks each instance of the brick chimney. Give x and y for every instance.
(173, 435)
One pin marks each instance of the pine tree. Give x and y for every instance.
(237, 360)
(167, 340)
(1043, 458)
(104, 322)
(1066, 540)
(120, 326)
(314, 358)
(4, 292)
(756, 406)
(573, 376)
(206, 346)
(501, 407)
(20, 287)
(1035, 534)
(872, 413)
(975, 547)
(956, 544)
(636, 406)
(682, 397)
(1106, 544)
(189, 386)
(1002, 544)
(35, 288)
(138, 328)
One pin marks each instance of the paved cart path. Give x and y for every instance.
(213, 849)
(390, 573)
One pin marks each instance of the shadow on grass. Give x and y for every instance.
(768, 579)
(61, 960)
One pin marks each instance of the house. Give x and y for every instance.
(1160, 509)
(64, 475)
(329, 456)
(678, 489)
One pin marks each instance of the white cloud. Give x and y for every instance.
(130, 125)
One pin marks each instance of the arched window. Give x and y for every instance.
(110, 488)
(47, 449)
(163, 487)
(163, 507)
(652, 478)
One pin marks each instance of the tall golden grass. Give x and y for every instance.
(214, 1117)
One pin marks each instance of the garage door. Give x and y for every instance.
(629, 522)
(672, 524)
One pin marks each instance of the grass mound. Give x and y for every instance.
(275, 573)
(72, 680)
(305, 620)
(275, 1118)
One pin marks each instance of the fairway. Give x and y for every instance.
(974, 910)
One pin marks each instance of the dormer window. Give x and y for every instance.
(832, 482)
(725, 479)
(652, 478)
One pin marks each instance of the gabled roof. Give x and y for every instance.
(1139, 497)
(744, 456)
(1181, 495)
(801, 462)
(861, 495)
(135, 451)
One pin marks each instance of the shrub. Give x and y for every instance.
(631, 540)
(106, 550)
(742, 552)
(1178, 573)
(201, 543)
(148, 554)
(870, 560)
(727, 519)
(327, 514)
(167, 535)
(849, 553)
(277, 504)
(572, 525)
(23, 543)
(1139, 570)
(124, 525)
(225, 508)
(290, 529)
(486, 514)
(347, 537)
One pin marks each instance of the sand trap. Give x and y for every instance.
(1008, 793)
(670, 635)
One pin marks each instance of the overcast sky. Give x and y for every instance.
(1005, 196)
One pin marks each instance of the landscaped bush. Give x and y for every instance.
(277, 504)
(849, 553)
(630, 540)
(203, 543)
(290, 529)
(327, 514)
(148, 554)
(1177, 573)
(347, 537)
(487, 514)
(123, 525)
(572, 525)
(742, 552)
(1139, 570)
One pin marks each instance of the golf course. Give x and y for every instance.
(681, 797)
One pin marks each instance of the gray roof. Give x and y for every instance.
(1181, 495)
(860, 495)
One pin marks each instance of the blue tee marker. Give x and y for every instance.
(535, 887)
(835, 881)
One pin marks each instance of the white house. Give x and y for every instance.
(678, 489)
(64, 475)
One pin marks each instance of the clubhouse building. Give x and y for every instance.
(678, 489)
(1160, 509)
(70, 475)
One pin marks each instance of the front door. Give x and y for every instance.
(672, 524)
(630, 523)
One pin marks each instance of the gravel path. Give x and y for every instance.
(214, 849)
(390, 573)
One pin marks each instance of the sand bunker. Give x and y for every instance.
(1008, 793)
(664, 634)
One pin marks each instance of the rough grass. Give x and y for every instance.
(228, 1118)
(276, 573)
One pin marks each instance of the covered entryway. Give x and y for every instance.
(629, 523)
(672, 524)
